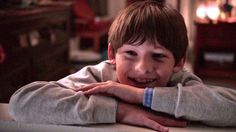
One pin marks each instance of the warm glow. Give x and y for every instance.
(201, 11)
(208, 11)
(213, 12)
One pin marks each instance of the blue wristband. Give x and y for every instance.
(147, 99)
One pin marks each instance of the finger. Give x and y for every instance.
(175, 123)
(87, 87)
(97, 89)
(92, 91)
(168, 121)
(155, 126)
(92, 85)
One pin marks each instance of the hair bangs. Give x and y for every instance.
(153, 22)
(142, 26)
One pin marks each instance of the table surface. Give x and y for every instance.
(7, 124)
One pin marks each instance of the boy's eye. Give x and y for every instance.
(131, 53)
(158, 56)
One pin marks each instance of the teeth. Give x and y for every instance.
(144, 80)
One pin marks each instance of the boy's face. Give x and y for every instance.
(144, 65)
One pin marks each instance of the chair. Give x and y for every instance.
(88, 25)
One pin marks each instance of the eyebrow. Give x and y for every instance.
(159, 51)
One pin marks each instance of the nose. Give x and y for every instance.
(144, 66)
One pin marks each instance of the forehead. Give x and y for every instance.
(144, 46)
(148, 43)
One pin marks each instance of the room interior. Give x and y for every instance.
(49, 39)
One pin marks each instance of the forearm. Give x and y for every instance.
(47, 102)
(211, 105)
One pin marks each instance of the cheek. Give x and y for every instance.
(165, 72)
(122, 71)
(122, 64)
(121, 74)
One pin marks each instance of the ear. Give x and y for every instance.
(111, 56)
(179, 66)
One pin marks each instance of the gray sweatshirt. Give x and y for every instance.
(56, 103)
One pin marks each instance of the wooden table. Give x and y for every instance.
(7, 124)
(4, 114)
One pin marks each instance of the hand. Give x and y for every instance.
(134, 115)
(124, 92)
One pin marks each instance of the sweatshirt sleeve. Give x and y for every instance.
(56, 102)
(192, 100)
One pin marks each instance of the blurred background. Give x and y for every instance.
(49, 39)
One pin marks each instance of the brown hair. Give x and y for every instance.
(151, 21)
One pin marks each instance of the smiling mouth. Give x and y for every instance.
(142, 82)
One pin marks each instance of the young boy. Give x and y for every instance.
(142, 79)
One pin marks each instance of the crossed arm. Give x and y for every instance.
(128, 110)
(124, 92)
(204, 103)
